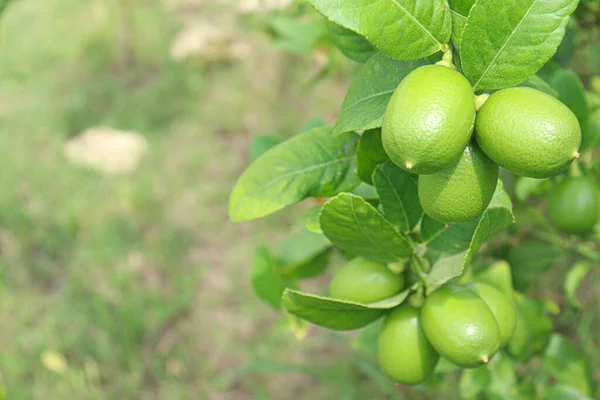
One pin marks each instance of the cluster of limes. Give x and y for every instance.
(465, 324)
(432, 128)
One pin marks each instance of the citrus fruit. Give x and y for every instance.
(501, 307)
(429, 119)
(573, 205)
(403, 352)
(365, 281)
(528, 132)
(460, 326)
(461, 192)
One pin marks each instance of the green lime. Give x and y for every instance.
(573, 205)
(501, 307)
(528, 132)
(403, 352)
(429, 119)
(462, 192)
(460, 326)
(365, 281)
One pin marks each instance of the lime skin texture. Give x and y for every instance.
(501, 307)
(460, 326)
(365, 281)
(461, 192)
(528, 132)
(403, 352)
(429, 119)
(574, 205)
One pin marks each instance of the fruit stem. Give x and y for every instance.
(447, 59)
(480, 100)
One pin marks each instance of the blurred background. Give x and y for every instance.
(125, 124)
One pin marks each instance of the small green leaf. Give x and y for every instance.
(497, 275)
(574, 278)
(337, 314)
(356, 226)
(267, 283)
(473, 382)
(535, 82)
(398, 194)
(369, 154)
(312, 220)
(402, 29)
(566, 363)
(262, 143)
(460, 13)
(350, 44)
(303, 255)
(312, 164)
(297, 35)
(370, 91)
(505, 43)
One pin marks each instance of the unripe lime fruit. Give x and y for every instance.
(461, 192)
(429, 119)
(460, 326)
(573, 205)
(528, 132)
(365, 281)
(403, 352)
(501, 307)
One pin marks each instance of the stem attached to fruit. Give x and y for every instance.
(447, 59)
(480, 100)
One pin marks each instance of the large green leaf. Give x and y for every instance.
(370, 154)
(572, 281)
(460, 14)
(350, 43)
(356, 226)
(337, 314)
(398, 194)
(566, 363)
(458, 244)
(370, 91)
(505, 42)
(313, 163)
(266, 281)
(402, 29)
(303, 255)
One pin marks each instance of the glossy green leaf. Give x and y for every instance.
(369, 154)
(398, 195)
(337, 314)
(303, 255)
(402, 29)
(459, 243)
(535, 82)
(566, 363)
(312, 220)
(262, 143)
(497, 275)
(312, 164)
(572, 281)
(356, 226)
(350, 43)
(460, 13)
(370, 91)
(265, 279)
(506, 42)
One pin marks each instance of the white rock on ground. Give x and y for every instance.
(107, 150)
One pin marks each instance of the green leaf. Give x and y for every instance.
(526, 186)
(459, 243)
(503, 377)
(303, 255)
(572, 281)
(262, 143)
(533, 329)
(296, 35)
(529, 259)
(473, 382)
(313, 163)
(565, 392)
(337, 314)
(370, 91)
(398, 194)
(497, 275)
(369, 154)
(402, 29)
(312, 220)
(566, 363)
(505, 42)
(460, 13)
(350, 44)
(265, 279)
(356, 226)
(535, 82)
